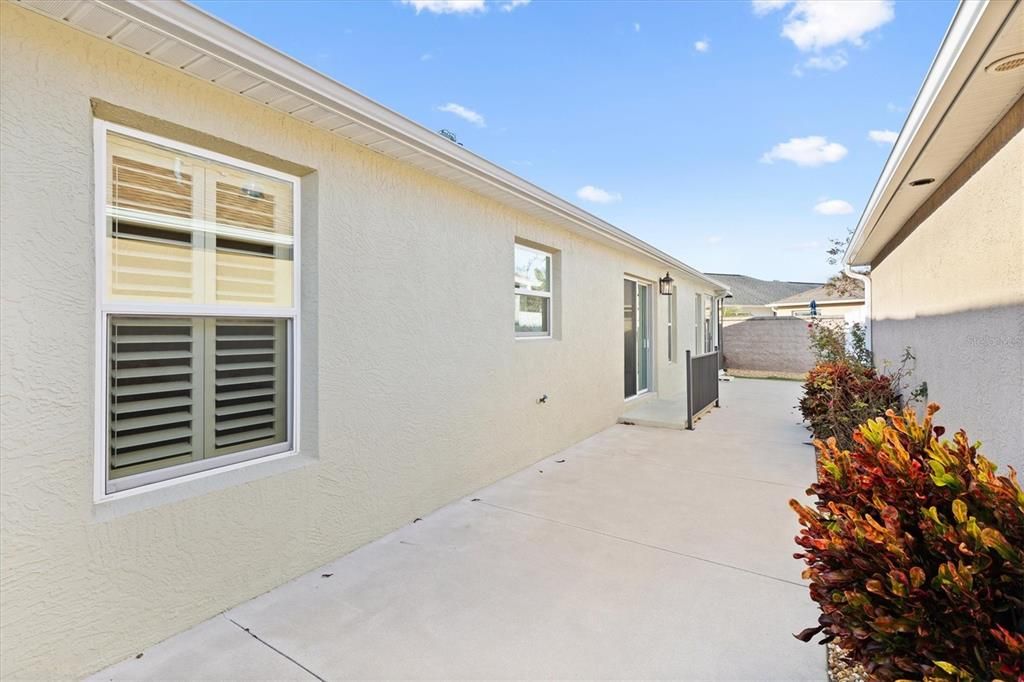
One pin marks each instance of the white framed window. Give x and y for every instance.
(533, 268)
(197, 311)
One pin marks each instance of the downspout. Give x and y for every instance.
(865, 279)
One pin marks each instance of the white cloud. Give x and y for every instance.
(768, 6)
(636, 27)
(832, 62)
(894, 108)
(833, 207)
(597, 195)
(447, 6)
(806, 151)
(513, 5)
(817, 24)
(883, 136)
(464, 113)
(713, 239)
(702, 45)
(426, 57)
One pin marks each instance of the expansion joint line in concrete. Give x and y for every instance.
(273, 648)
(644, 544)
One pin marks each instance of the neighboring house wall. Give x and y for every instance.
(771, 344)
(413, 392)
(740, 312)
(845, 310)
(953, 291)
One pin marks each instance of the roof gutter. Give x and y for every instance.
(208, 34)
(960, 30)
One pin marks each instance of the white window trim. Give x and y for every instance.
(536, 336)
(104, 309)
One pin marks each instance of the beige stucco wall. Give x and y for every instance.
(953, 292)
(412, 395)
(768, 344)
(825, 309)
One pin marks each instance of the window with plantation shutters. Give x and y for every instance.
(198, 310)
(155, 393)
(248, 364)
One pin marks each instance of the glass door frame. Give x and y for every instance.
(643, 350)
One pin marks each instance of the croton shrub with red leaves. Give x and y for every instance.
(915, 554)
(838, 396)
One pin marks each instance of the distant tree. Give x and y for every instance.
(840, 284)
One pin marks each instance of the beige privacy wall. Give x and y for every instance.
(414, 390)
(768, 344)
(953, 292)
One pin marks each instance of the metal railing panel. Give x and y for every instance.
(701, 384)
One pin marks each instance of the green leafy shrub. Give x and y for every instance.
(840, 395)
(835, 341)
(915, 554)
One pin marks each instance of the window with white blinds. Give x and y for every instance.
(198, 310)
(189, 230)
(532, 291)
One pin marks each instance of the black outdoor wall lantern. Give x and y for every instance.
(665, 285)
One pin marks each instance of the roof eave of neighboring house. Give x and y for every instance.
(308, 95)
(958, 103)
(804, 304)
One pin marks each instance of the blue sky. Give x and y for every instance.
(728, 134)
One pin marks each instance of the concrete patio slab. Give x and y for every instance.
(665, 413)
(215, 649)
(646, 553)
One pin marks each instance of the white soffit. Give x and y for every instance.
(188, 39)
(957, 106)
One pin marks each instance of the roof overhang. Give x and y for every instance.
(804, 304)
(186, 38)
(958, 104)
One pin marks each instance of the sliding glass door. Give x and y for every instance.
(636, 306)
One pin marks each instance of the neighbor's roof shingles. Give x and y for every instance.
(821, 295)
(752, 291)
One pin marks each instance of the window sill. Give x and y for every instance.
(535, 338)
(113, 505)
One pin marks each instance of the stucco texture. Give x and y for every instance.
(414, 389)
(768, 344)
(953, 292)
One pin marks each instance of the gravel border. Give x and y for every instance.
(841, 671)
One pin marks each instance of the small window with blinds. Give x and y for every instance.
(198, 310)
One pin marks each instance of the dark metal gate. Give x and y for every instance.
(701, 384)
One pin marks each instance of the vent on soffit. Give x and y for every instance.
(1009, 63)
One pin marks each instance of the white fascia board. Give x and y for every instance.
(960, 30)
(210, 35)
(804, 304)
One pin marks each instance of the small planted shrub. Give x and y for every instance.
(836, 341)
(915, 554)
(840, 395)
(843, 389)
